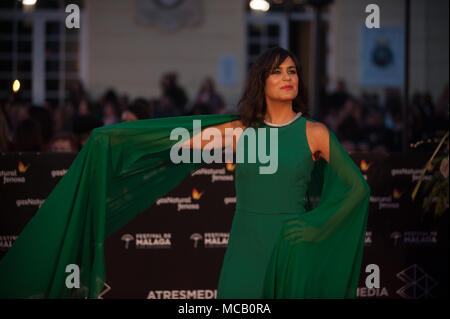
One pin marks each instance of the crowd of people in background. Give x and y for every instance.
(369, 123)
(66, 128)
(361, 123)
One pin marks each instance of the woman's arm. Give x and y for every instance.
(229, 136)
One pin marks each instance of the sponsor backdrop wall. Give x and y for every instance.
(175, 249)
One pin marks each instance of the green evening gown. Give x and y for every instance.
(278, 250)
(263, 203)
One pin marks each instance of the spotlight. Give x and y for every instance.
(259, 5)
(16, 86)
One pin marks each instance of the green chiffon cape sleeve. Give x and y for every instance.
(124, 168)
(120, 172)
(319, 253)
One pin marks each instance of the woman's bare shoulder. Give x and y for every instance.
(318, 137)
(317, 128)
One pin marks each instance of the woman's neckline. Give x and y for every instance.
(286, 123)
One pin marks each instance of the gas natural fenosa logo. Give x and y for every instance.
(12, 176)
(364, 166)
(230, 167)
(23, 168)
(196, 194)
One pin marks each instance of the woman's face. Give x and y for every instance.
(282, 82)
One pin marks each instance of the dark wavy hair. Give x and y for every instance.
(252, 105)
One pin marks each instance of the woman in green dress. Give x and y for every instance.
(296, 233)
(263, 259)
(265, 201)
